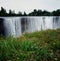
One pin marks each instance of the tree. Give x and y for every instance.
(34, 13)
(24, 14)
(19, 13)
(46, 13)
(11, 13)
(56, 13)
(39, 13)
(3, 12)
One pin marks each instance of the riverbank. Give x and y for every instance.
(36, 46)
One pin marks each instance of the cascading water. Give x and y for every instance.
(15, 26)
(56, 22)
(12, 26)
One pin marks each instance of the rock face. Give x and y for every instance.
(2, 32)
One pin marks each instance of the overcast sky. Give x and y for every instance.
(29, 5)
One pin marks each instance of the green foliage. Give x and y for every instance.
(37, 46)
(3, 12)
(33, 13)
(28, 45)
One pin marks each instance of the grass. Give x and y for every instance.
(37, 46)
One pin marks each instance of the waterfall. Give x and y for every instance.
(12, 26)
(15, 26)
(56, 22)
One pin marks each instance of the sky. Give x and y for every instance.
(30, 5)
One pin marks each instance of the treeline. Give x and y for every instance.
(35, 12)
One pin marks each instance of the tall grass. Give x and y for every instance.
(37, 46)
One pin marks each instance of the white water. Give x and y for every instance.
(12, 26)
(15, 27)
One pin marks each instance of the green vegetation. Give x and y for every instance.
(35, 12)
(37, 46)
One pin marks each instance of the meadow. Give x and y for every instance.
(36, 46)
